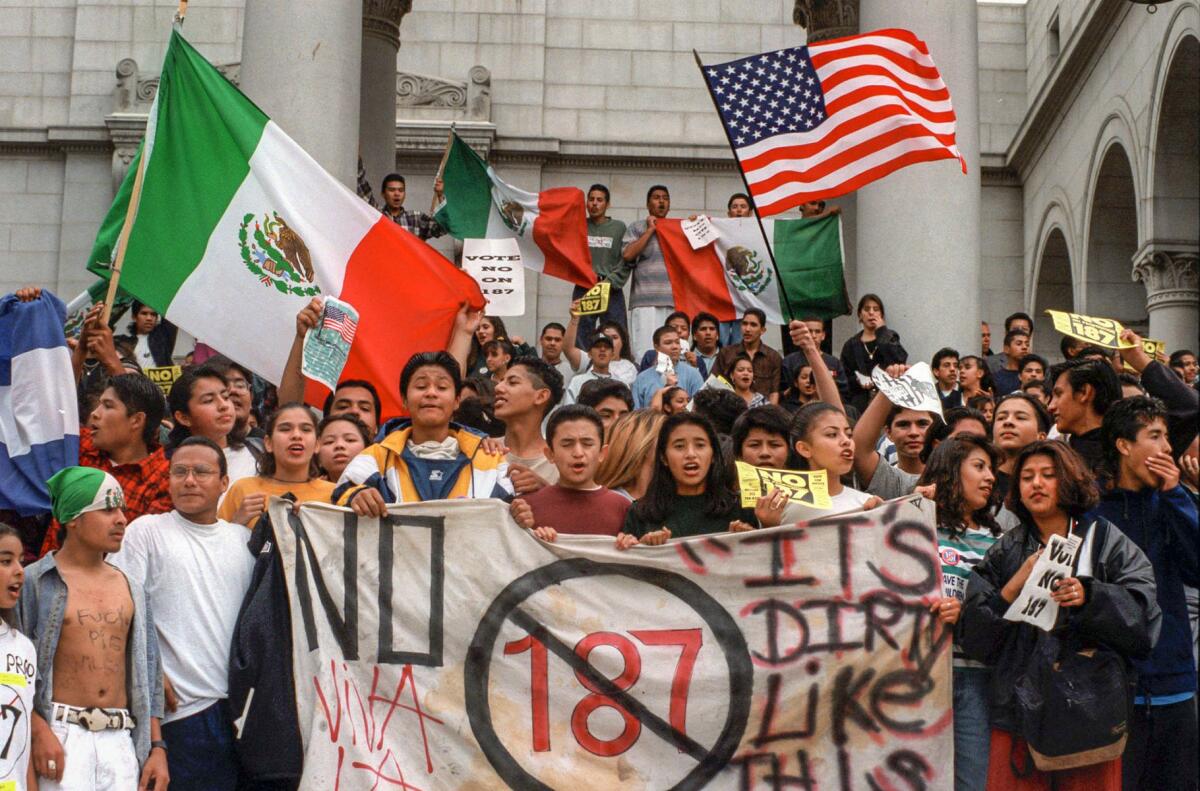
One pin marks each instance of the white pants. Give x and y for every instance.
(642, 324)
(95, 760)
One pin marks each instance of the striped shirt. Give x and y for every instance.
(651, 284)
(959, 555)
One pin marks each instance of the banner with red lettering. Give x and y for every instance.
(443, 647)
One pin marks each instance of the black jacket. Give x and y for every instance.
(1119, 611)
(161, 341)
(856, 357)
(1182, 402)
(268, 744)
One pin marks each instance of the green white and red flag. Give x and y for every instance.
(236, 228)
(550, 226)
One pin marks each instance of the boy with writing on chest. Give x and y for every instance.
(99, 695)
(576, 504)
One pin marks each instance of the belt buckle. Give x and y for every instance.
(94, 718)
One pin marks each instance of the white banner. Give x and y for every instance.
(497, 267)
(443, 647)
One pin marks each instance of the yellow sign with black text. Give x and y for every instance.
(595, 301)
(164, 376)
(810, 487)
(1090, 329)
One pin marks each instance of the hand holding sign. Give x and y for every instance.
(1090, 329)
(913, 389)
(327, 344)
(810, 487)
(700, 232)
(1040, 595)
(595, 301)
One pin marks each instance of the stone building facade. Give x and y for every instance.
(1085, 161)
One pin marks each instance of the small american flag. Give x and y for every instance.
(808, 123)
(337, 319)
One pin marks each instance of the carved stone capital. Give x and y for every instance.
(1170, 273)
(381, 19)
(826, 19)
(469, 99)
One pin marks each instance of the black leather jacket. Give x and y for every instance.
(1120, 609)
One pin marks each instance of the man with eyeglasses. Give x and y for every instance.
(196, 570)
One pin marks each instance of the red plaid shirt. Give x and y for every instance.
(144, 483)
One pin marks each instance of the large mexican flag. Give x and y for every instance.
(734, 273)
(237, 228)
(550, 227)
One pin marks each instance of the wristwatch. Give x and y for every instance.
(159, 744)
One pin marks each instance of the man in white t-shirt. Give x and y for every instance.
(196, 570)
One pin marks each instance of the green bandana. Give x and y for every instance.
(77, 490)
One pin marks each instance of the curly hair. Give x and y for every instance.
(944, 470)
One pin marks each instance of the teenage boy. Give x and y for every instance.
(1015, 321)
(604, 243)
(906, 429)
(1082, 391)
(576, 504)
(1147, 504)
(600, 353)
(650, 381)
(1007, 377)
(761, 437)
(797, 360)
(610, 398)
(768, 364)
(706, 339)
(195, 569)
(551, 343)
(1031, 367)
(99, 696)
(418, 223)
(650, 297)
(530, 389)
(945, 373)
(121, 438)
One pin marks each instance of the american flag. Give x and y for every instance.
(808, 123)
(337, 319)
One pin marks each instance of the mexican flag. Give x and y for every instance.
(550, 227)
(734, 273)
(237, 228)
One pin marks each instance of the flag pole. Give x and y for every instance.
(753, 206)
(114, 277)
(446, 154)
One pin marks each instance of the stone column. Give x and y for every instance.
(377, 114)
(1172, 293)
(301, 63)
(919, 228)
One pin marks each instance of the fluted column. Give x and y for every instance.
(301, 63)
(377, 114)
(1170, 274)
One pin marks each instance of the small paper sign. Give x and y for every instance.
(497, 267)
(699, 232)
(327, 346)
(913, 390)
(164, 376)
(1033, 604)
(1090, 329)
(810, 487)
(715, 382)
(595, 301)
(664, 365)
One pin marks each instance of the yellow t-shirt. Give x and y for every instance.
(314, 490)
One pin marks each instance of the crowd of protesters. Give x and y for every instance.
(124, 613)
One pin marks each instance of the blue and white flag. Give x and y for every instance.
(39, 415)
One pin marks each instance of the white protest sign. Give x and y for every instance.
(712, 662)
(664, 365)
(700, 232)
(1033, 604)
(497, 268)
(914, 389)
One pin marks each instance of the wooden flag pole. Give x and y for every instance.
(753, 207)
(446, 153)
(114, 277)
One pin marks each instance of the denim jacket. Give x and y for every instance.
(40, 611)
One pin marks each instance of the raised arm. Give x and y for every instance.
(827, 389)
(465, 324)
(291, 383)
(574, 356)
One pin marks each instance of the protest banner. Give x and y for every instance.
(443, 647)
(595, 301)
(164, 376)
(1033, 604)
(810, 487)
(327, 346)
(1090, 329)
(914, 389)
(496, 266)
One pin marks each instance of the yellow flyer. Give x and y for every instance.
(595, 301)
(164, 376)
(1096, 331)
(810, 487)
